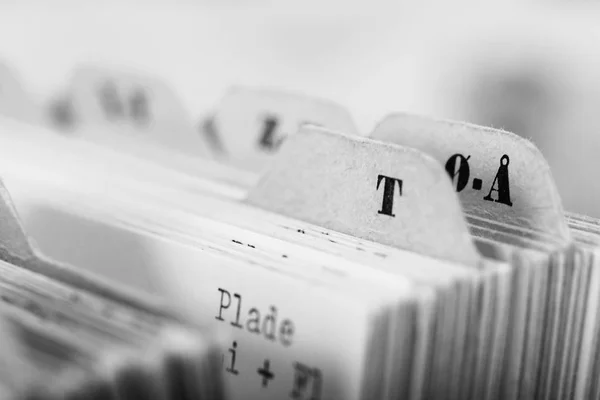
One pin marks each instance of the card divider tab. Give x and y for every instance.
(369, 189)
(250, 123)
(517, 186)
(17, 249)
(167, 123)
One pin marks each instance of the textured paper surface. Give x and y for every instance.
(492, 156)
(332, 180)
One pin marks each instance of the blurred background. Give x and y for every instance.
(526, 66)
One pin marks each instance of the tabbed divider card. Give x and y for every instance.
(96, 321)
(366, 189)
(341, 162)
(16, 248)
(250, 124)
(133, 113)
(499, 176)
(309, 189)
(509, 197)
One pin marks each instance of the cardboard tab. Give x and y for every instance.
(132, 105)
(373, 190)
(252, 123)
(498, 175)
(15, 102)
(16, 249)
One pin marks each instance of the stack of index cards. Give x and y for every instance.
(429, 259)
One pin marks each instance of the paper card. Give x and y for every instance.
(333, 361)
(368, 189)
(16, 248)
(133, 105)
(498, 175)
(252, 123)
